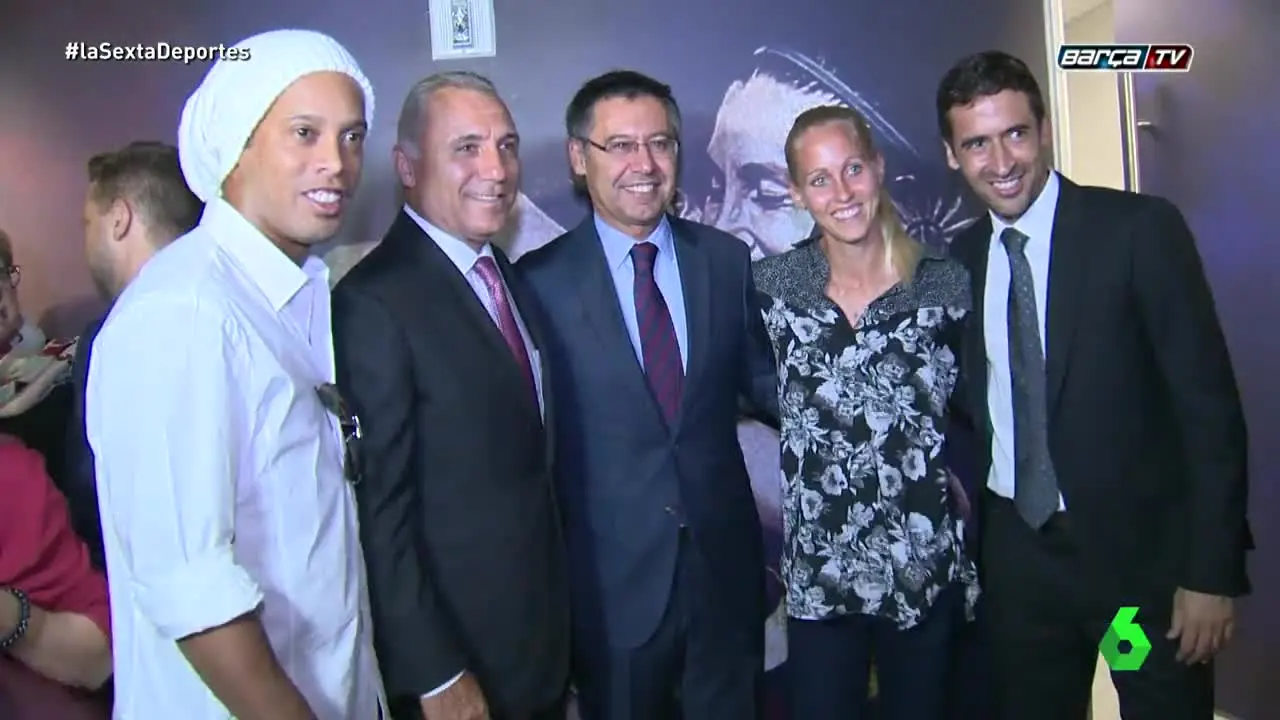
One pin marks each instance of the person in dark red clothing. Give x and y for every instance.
(54, 616)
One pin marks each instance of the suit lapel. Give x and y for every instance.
(599, 300)
(695, 281)
(1067, 259)
(530, 314)
(974, 254)
(447, 278)
(444, 283)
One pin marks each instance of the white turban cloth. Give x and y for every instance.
(221, 115)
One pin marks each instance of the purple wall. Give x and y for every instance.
(739, 99)
(1212, 150)
(55, 114)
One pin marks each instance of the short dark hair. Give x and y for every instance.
(627, 84)
(148, 175)
(982, 75)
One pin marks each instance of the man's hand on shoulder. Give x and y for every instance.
(463, 700)
(1204, 623)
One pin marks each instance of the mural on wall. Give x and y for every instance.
(740, 77)
(748, 196)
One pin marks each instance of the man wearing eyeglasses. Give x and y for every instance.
(16, 334)
(654, 335)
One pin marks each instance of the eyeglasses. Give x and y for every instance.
(349, 423)
(13, 273)
(659, 146)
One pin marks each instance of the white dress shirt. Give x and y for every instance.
(1037, 224)
(666, 273)
(464, 257)
(220, 475)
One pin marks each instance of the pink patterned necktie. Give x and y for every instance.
(487, 269)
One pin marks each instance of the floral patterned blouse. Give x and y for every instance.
(869, 523)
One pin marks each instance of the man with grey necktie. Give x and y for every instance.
(1098, 382)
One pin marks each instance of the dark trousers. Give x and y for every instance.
(698, 665)
(829, 664)
(556, 711)
(972, 691)
(1046, 626)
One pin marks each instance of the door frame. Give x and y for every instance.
(1056, 87)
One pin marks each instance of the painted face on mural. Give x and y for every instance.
(299, 172)
(1002, 151)
(464, 174)
(838, 180)
(628, 161)
(751, 198)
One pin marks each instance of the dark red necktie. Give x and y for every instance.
(658, 344)
(492, 278)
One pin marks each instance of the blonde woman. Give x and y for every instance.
(865, 324)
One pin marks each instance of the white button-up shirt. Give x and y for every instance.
(1037, 224)
(220, 475)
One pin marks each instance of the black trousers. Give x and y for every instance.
(1045, 625)
(699, 664)
(556, 711)
(829, 663)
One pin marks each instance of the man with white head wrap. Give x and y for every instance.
(236, 576)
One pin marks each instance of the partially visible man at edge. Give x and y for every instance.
(137, 203)
(441, 353)
(54, 615)
(236, 576)
(1112, 434)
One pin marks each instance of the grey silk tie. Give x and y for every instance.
(1035, 485)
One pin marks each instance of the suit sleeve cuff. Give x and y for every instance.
(206, 592)
(452, 681)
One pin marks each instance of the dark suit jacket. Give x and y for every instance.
(1146, 429)
(78, 483)
(626, 481)
(457, 513)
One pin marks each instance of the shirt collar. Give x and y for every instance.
(461, 254)
(278, 277)
(811, 249)
(1037, 221)
(617, 245)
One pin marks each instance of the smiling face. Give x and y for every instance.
(463, 173)
(300, 169)
(628, 162)
(1002, 151)
(837, 178)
